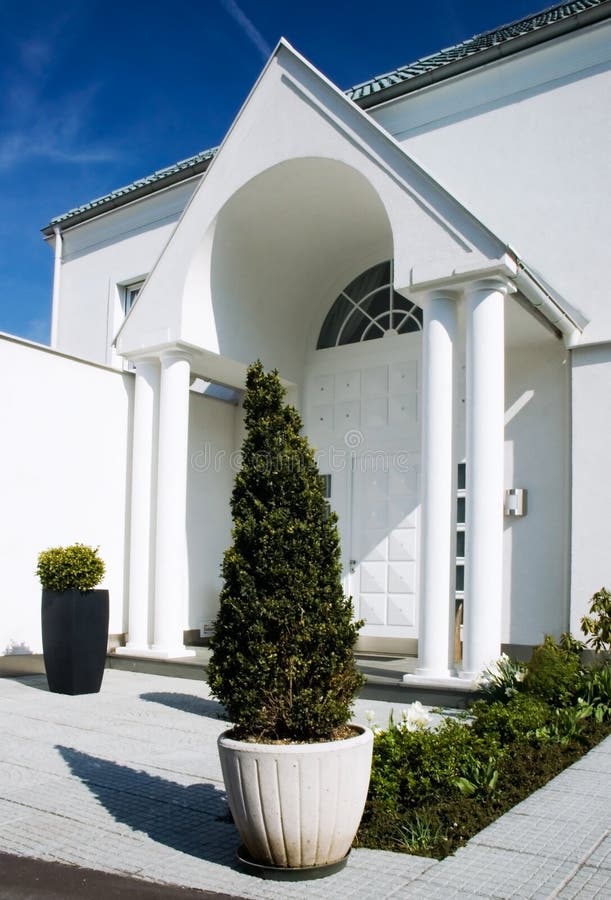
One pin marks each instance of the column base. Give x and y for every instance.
(180, 652)
(426, 672)
(177, 652)
(469, 676)
(452, 682)
(132, 647)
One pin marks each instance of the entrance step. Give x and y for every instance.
(383, 672)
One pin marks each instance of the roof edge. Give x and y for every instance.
(573, 22)
(162, 178)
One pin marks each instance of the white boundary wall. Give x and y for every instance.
(65, 447)
(64, 477)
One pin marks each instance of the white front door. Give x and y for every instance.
(361, 414)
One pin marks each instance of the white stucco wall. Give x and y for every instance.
(212, 467)
(65, 447)
(524, 144)
(591, 477)
(537, 458)
(101, 255)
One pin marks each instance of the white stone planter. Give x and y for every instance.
(297, 805)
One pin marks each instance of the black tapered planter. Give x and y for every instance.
(74, 639)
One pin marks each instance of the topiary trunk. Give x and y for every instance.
(283, 662)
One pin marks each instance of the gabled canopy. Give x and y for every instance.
(305, 192)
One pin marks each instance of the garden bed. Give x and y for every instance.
(435, 787)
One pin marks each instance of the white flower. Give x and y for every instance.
(415, 717)
(370, 716)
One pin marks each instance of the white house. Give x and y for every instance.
(424, 258)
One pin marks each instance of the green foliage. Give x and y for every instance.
(423, 765)
(76, 567)
(596, 691)
(519, 719)
(432, 789)
(481, 778)
(419, 833)
(597, 626)
(502, 679)
(283, 648)
(553, 673)
(565, 724)
(568, 642)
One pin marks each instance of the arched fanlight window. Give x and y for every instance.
(367, 309)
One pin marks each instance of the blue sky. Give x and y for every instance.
(95, 94)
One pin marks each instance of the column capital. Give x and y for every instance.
(148, 360)
(438, 293)
(496, 283)
(174, 354)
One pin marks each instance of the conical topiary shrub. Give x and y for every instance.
(283, 662)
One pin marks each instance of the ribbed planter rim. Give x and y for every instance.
(254, 747)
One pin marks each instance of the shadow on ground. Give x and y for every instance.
(39, 682)
(187, 703)
(193, 819)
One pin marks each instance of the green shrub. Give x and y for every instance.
(568, 642)
(431, 791)
(553, 673)
(283, 647)
(595, 690)
(566, 724)
(518, 719)
(64, 568)
(597, 626)
(502, 679)
(424, 765)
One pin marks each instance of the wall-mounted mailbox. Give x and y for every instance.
(515, 502)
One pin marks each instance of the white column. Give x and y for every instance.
(484, 487)
(438, 520)
(171, 552)
(141, 522)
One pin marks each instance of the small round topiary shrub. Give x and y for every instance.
(76, 567)
(283, 646)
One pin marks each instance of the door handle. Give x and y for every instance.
(353, 564)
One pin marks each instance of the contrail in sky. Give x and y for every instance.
(252, 33)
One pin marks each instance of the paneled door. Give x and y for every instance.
(361, 414)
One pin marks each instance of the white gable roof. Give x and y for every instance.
(296, 132)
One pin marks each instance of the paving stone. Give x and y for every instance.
(601, 857)
(562, 806)
(588, 883)
(492, 872)
(584, 782)
(541, 835)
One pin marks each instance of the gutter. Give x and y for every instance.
(569, 324)
(483, 57)
(124, 196)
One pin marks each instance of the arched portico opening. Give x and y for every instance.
(284, 246)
